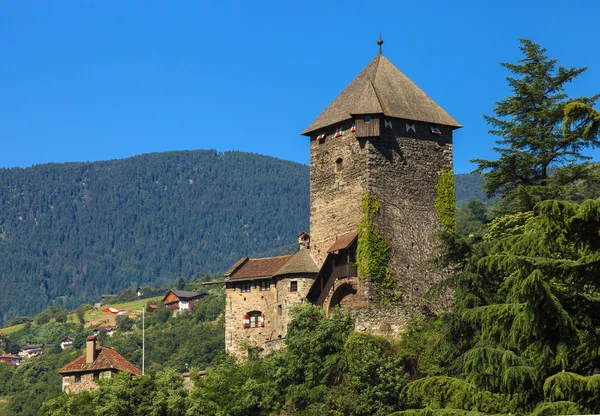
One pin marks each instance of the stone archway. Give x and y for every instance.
(344, 296)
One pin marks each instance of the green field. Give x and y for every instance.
(11, 329)
(136, 305)
(94, 317)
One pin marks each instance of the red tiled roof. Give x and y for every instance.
(343, 242)
(106, 359)
(264, 267)
(13, 357)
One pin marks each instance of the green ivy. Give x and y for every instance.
(373, 254)
(445, 204)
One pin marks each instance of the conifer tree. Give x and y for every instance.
(536, 156)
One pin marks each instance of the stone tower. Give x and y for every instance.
(382, 136)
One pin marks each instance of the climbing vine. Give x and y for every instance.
(445, 203)
(373, 254)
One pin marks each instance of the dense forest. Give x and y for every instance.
(69, 232)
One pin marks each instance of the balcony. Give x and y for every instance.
(344, 270)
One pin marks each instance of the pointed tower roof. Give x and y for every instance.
(382, 88)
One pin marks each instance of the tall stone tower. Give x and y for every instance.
(382, 136)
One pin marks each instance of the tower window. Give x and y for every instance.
(265, 285)
(245, 286)
(254, 319)
(367, 119)
(293, 286)
(339, 165)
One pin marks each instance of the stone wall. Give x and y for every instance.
(286, 299)
(400, 169)
(237, 338)
(403, 173)
(275, 304)
(87, 382)
(335, 197)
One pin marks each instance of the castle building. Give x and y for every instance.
(386, 138)
(259, 293)
(382, 137)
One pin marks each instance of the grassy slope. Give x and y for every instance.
(96, 317)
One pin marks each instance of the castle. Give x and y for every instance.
(382, 137)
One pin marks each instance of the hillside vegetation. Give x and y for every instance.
(70, 232)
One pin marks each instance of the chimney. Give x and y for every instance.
(304, 241)
(90, 349)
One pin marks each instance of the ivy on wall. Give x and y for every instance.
(445, 204)
(373, 254)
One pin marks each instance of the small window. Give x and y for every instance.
(254, 319)
(367, 119)
(78, 379)
(96, 375)
(245, 287)
(265, 285)
(339, 165)
(293, 286)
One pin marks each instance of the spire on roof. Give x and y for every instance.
(380, 42)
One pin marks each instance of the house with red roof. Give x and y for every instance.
(10, 359)
(83, 373)
(181, 300)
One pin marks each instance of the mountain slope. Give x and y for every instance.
(69, 232)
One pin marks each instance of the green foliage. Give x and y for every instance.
(123, 395)
(373, 254)
(556, 408)
(33, 382)
(74, 231)
(578, 115)
(506, 225)
(469, 187)
(537, 157)
(193, 339)
(17, 320)
(471, 219)
(445, 203)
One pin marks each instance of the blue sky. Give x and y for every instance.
(85, 80)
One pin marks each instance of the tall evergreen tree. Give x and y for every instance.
(536, 157)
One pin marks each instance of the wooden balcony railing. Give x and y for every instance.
(345, 270)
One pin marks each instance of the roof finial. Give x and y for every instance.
(380, 42)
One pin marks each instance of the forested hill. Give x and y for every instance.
(69, 232)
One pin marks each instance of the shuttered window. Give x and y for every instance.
(254, 319)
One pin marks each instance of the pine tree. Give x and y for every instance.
(537, 157)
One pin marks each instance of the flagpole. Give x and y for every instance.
(143, 339)
(143, 311)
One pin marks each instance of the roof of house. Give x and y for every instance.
(105, 328)
(10, 356)
(381, 88)
(301, 262)
(343, 242)
(184, 294)
(33, 347)
(106, 359)
(67, 338)
(249, 268)
(260, 267)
